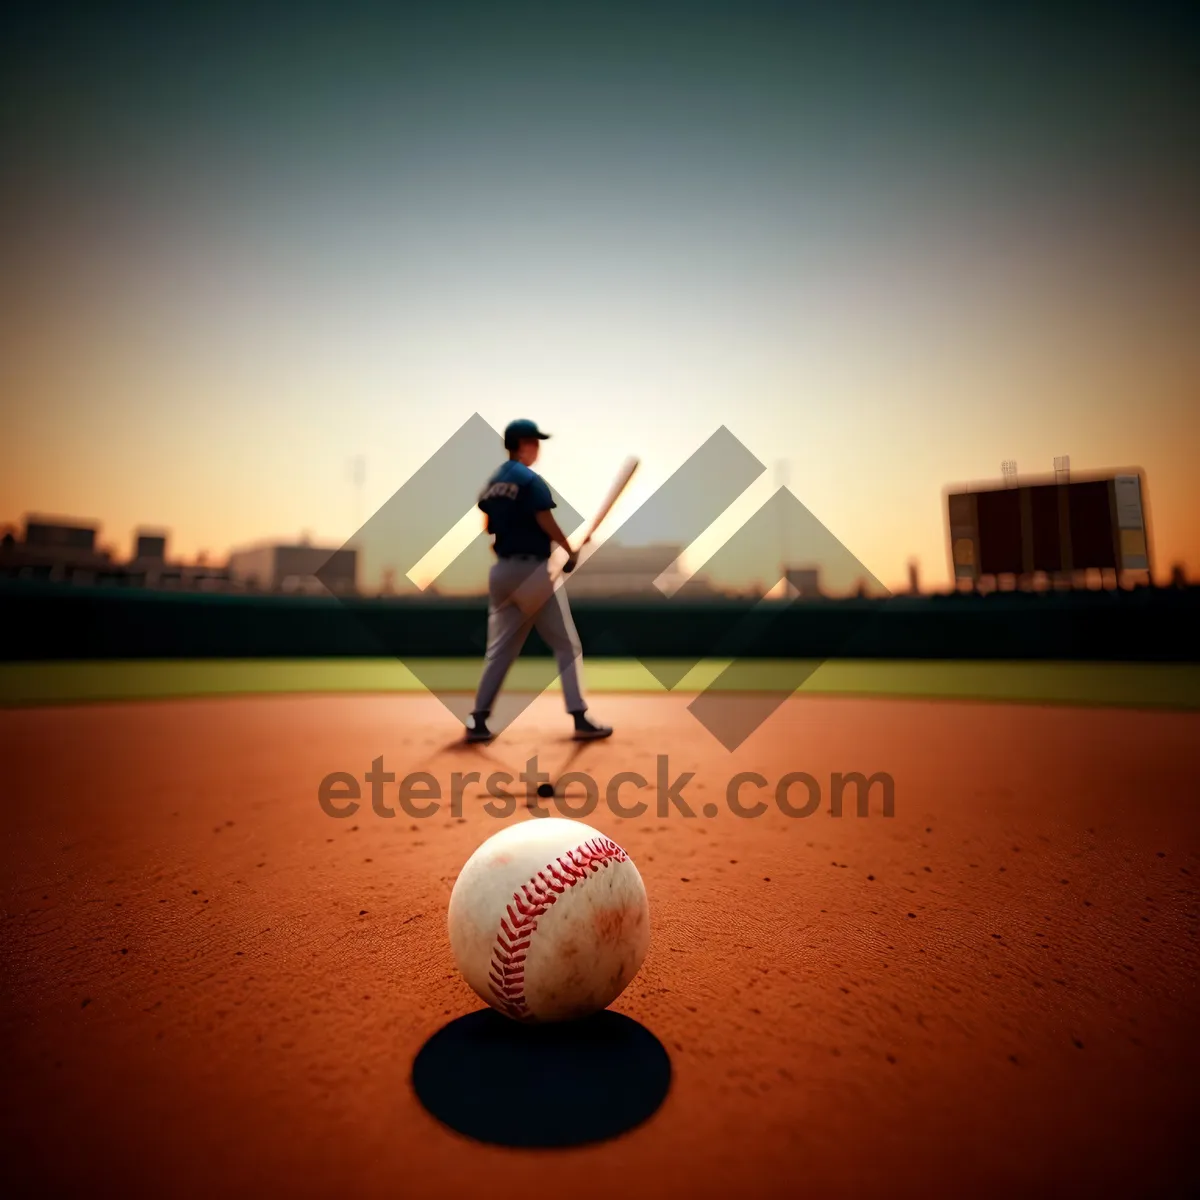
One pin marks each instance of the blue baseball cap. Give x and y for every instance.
(522, 430)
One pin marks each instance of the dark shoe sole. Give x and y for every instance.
(480, 737)
(592, 735)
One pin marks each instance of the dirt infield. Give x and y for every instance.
(212, 987)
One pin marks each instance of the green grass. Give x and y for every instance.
(1133, 685)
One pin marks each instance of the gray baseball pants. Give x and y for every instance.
(521, 597)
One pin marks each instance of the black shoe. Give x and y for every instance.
(589, 731)
(477, 730)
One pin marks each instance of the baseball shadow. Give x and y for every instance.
(498, 1081)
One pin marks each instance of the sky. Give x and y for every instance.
(244, 244)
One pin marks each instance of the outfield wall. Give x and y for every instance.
(48, 622)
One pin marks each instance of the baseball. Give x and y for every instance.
(549, 920)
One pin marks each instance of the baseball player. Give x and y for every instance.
(521, 594)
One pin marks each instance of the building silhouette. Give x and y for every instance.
(619, 570)
(293, 567)
(805, 580)
(66, 551)
(54, 548)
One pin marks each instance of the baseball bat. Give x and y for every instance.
(614, 494)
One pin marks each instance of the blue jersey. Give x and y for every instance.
(512, 498)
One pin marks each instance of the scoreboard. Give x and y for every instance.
(1051, 526)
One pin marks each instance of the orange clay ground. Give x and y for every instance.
(214, 989)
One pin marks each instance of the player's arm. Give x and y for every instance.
(542, 502)
(550, 528)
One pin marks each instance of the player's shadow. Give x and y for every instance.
(562, 1084)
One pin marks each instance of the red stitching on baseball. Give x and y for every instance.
(530, 902)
